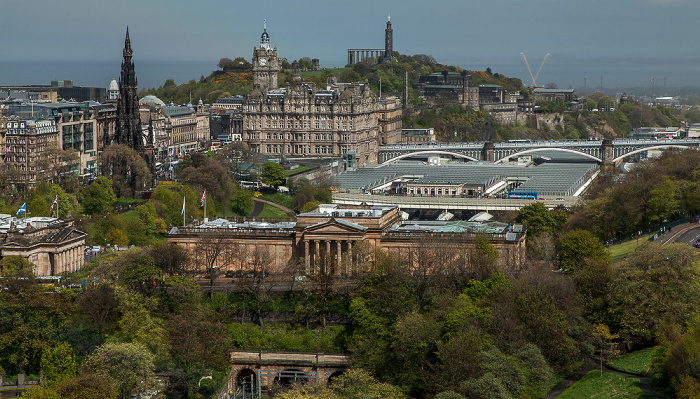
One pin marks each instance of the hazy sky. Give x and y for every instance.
(456, 32)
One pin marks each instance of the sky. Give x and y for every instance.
(472, 34)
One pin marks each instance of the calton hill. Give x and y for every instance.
(599, 302)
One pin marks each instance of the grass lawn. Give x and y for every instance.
(279, 198)
(298, 170)
(637, 362)
(619, 252)
(270, 211)
(610, 385)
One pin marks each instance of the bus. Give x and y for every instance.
(523, 194)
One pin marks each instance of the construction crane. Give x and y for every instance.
(534, 78)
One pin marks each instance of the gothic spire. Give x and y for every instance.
(127, 45)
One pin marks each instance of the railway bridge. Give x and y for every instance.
(259, 371)
(607, 151)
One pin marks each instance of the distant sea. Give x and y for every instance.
(100, 73)
(616, 75)
(581, 76)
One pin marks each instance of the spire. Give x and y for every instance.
(265, 38)
(127, 44)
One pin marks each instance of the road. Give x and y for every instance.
(682, 234)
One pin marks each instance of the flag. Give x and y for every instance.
(55, 201)
(183, 206)
(22, 208)
(204, 197)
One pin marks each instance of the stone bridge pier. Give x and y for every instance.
(245, 364)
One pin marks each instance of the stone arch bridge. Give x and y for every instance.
(265, 369)
(608, 151)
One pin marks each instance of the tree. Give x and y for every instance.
(125, 365)
(126, 168)
(171, 259)
(272, 174)
(656, 286)
(579, 245)
(197, 340)
(86, 386)
(99, 305)
(354, 384)
(98, 196)
(237, 64)
(17, 273)
(58, 364)
(212, 252)
(540, 219)
(242, 201)
(604, 343)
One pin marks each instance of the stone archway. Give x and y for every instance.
(246, 376)
(335, 375)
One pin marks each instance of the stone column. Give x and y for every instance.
(317, 255)
(350, 267)
(329, 258)
(339, 261)
(307, 255)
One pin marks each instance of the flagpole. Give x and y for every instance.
(183, 211)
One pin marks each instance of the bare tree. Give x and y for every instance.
(213, 252)
(260, 280)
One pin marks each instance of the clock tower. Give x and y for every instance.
(266, 65)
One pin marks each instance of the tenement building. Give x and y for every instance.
(302, 120)
(339, 240)
(53, 246)
(80, 125)
(29, 150)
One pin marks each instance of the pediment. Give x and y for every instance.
(334, 226)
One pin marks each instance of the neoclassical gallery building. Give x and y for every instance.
(337, 239)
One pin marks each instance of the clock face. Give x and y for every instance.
(262, 62)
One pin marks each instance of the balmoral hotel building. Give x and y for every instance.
(300, 120)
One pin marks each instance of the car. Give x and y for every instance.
(697, 243)
(559, 199)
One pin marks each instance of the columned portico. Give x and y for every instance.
(332, 255)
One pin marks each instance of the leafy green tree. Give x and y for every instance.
(605, 345)
(539, 376)
(577, 246)
(540, 219)
(242, 201)
(137, 325)
(86, 386)
(135, 266)
(37, 206)
(125, 365)
(17, 273)
(272, 174)
(147, 215)
(663, 202)
(98, 196)
(656, 286)
(354, 384)
(58, 363)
